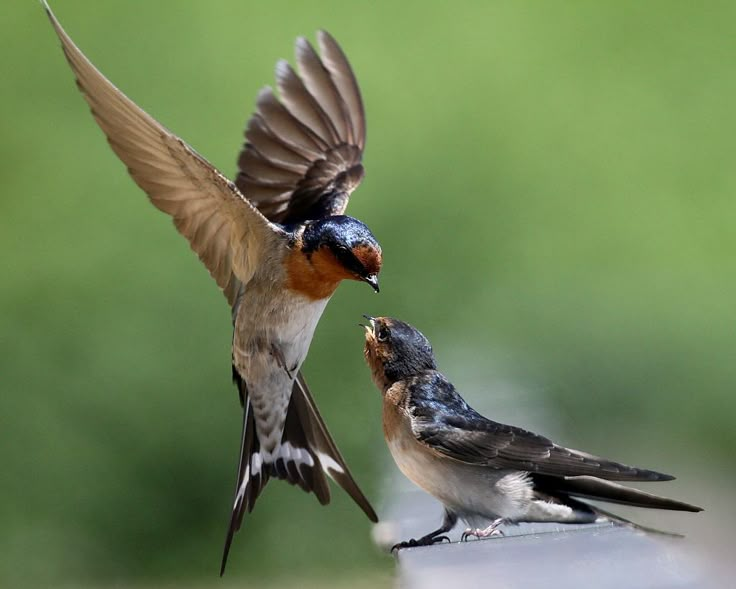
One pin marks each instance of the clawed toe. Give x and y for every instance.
(491, 530)
(411, 543)
(425, 541)
(401, 545)
(470, 532)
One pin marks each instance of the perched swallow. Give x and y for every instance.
(275, 241)
(483, 471)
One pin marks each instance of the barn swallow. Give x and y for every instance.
(483, 472)
(276, 241)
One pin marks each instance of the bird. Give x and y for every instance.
(276, 241)
(483, 472)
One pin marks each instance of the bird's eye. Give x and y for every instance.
(347, 258)
(343, 254)
(382, 334)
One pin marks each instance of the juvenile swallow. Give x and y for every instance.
(483, 472)
(275, 241)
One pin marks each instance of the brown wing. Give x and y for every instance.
(225, 231)
(302, 156)
(443, 421)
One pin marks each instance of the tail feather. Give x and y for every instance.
(306, 456)
(252, 478)
(617, 519)
(298, 463)
(324, 448)
(588, 487)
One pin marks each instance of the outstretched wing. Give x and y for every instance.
(458, 431)
(223, 228)
(302, 156)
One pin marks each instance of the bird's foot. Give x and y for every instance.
(427, 540)
(491, 530)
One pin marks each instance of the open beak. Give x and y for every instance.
(372, 279)
(369, 329)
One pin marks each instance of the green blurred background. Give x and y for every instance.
(553, 187)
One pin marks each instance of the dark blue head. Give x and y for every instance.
(395, 350)
(351, 243)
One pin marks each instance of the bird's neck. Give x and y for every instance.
(315, 275)
(394, 409)
(376, 364)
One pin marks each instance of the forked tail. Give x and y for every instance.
(306, 454)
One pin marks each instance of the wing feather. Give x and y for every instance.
(303, 105)
(459, 432)
(206, 208)
(347, 85)
(302, 156)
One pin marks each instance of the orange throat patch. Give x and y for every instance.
(316, 278)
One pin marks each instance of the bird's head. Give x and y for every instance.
(395, 351)
(347, 244)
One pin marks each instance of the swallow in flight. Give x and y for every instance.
(276, 241)
(483, 472)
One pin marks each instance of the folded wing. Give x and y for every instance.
(588, 487)
(461, 433)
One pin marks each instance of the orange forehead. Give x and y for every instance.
(370, 257)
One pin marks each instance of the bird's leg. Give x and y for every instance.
(491, 530)
(433, 537)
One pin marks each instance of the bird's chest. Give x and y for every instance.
(274, 326)
(468, 490)
(418, 463)
(273, 331)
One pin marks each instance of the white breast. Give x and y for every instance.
(273, 332)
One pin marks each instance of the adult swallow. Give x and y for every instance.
(483, 471)
(275, 241)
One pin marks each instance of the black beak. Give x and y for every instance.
(372, 279)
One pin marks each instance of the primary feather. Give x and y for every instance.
(302, 156)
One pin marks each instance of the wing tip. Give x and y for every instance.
(645, 475)
(301, 44)
(52, 17)
(265, 97)
(660, 476)
(682, 506)
(323, 36)
(282, 68)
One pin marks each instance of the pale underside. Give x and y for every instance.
(477, 494)
(273, 329)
